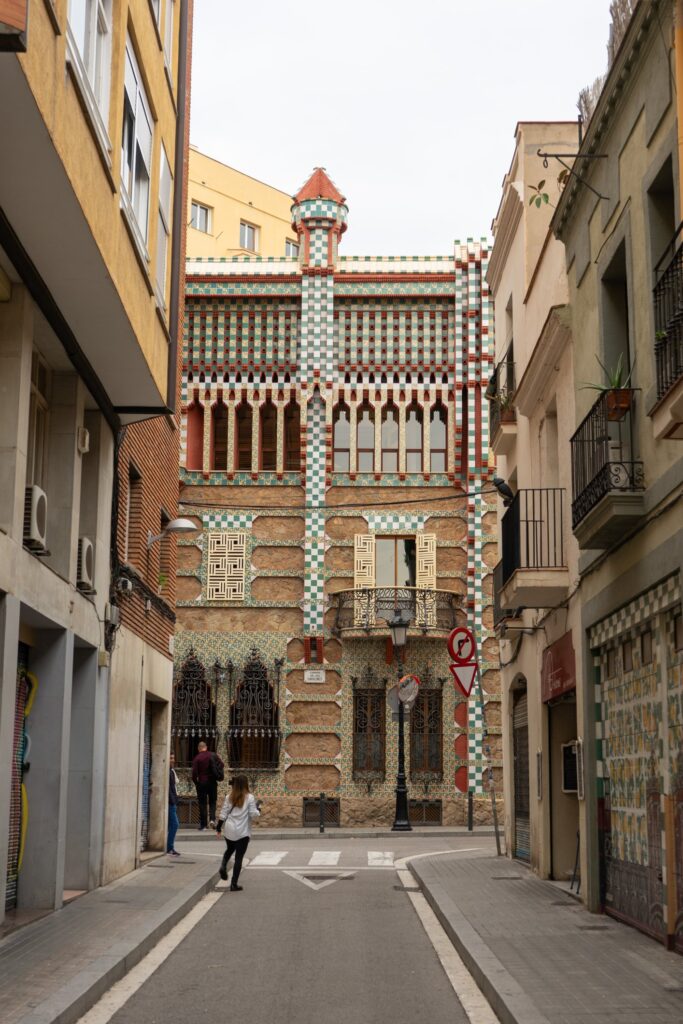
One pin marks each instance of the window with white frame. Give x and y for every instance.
(90, 30)
(36, 462)
(136, 145)
(248, 236)
(156, 7)
(292, 249)
(200, 217)
(168, 32)
(164, 227)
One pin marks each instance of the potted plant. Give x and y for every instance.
(618, 394)
(505, 400)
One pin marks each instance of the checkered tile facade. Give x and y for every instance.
(314, 557)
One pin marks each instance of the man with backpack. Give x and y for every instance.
(207, 771)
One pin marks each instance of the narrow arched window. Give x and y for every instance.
(414, 438)
(195, 436)
(341, 439)
(292, 436)
(365, 439)
(219, 437)
(243, 419)
(438, 443)
(390, 439)
(268, 436)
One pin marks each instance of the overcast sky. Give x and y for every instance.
(410, 105)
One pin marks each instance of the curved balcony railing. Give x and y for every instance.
(253, 748)
(370, 608)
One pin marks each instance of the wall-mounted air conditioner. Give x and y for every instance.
(85, 567)
(35, 519)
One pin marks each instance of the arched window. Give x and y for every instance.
(365, 439)
(390, 439)
(243, 417)
(193, 714)
(195, 436)
(414, 438)
(253, 735)
(438, 443)
(268, 437)
(219, 437)
(292, 436)
(341, 439)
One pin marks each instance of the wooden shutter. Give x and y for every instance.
(226, 565)
(364, 579)
(425, 608)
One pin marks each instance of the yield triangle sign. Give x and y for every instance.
(464, 676)
(318, 882)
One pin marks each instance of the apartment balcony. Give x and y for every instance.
(533, 571)
(502, 409)
(608, 482)
(366, 611)
(502, 615)
(667, 415)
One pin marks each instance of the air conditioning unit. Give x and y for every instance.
(35, 519)
(85, 568)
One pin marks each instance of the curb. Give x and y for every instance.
(82, 991)
(193, 835)
(505, 995)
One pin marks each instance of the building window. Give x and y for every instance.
(438, 432)
(627, 655)
(136, 145)
(292, 437)
(678, 632)
(200, 217)
(268, 436)
(341, 439)
(168, 32)
(243, 419)
(248, 236)
(164, 227)
(390, 439)
(90, 25)
(195, 436)
(395, 562)
(36, 464)
(369, 726)
(292, 249)
(646, 655)
(193, 715)
(414, 439)
(219, 437)
(134, 515)
(611, 662)
(253, 735)
(156, 7)
(365, 439)
(426, 734)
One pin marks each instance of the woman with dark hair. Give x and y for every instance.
(237, 813)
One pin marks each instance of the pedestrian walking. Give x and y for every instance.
(207, 771)
(237, 813)
(173, 822)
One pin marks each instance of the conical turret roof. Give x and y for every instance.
(319, 186)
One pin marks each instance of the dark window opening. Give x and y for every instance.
(292, 437)
(426, 735)
(369, 718)
(243, 419)
(268, 417)
(219, 437)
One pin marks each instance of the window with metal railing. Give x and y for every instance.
(668, 308)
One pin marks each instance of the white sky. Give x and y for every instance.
(410, 106)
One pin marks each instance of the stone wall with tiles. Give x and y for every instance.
(337, 329)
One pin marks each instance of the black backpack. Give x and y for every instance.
(217, 768)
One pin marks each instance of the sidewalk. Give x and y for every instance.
(539, 957)
(332, 832)
(55, 969)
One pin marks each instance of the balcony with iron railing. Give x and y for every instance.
(365, 611)
(501, 614)
(533, 570)
(501, 392)
(608, 481)
(667, 416)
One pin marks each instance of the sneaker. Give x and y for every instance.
(173, 853)
(235, 888)
(223, 872)
(202, 828)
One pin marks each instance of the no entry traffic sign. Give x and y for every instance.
(461, 645)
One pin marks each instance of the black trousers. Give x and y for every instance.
(239, 848)
(206, 791)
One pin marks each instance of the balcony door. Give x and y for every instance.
(395, 562)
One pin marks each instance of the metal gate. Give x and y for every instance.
(146, 779)
(16, 812)
(520, 748)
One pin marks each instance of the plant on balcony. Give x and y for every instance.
(618, 394)
(505, 400)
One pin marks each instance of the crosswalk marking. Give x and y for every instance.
(326, 858)
(268, 858)
(380, 859)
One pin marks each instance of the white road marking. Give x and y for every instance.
(324, 858)
(377, 859)
(268, 858)
(312, 884)
(119, 994)
(304, 867)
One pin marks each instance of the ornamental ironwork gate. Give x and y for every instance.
(253, 736)
(520, 747)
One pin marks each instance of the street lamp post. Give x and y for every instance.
(399, 635)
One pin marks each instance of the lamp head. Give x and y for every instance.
(398, 625)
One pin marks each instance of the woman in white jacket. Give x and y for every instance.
(237, 813)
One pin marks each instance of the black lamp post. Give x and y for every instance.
(399, 635)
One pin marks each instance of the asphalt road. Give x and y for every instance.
(352, 951)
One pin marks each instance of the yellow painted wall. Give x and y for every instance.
(233, 197)
(97, 191)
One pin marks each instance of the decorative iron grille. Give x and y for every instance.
(602, 453)
(425, 812)
(253, 737)
(532, 531)
(668, 304)
(426, 731)
(193, 715)
(369, 726)
(311, 812)
(370, 608)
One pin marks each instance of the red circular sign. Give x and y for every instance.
(461, 645)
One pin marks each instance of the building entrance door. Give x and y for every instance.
(146, 779)
(564, 803)
(520, 750)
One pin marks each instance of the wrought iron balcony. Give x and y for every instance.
(502, 413)
(668, 309)
(368, 609)
(533, 571)
(608, 482)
